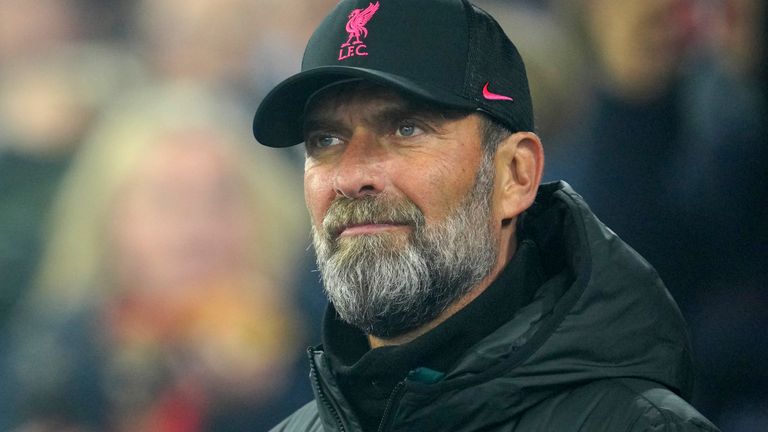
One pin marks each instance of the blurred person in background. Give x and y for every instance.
(165, 299)
(672, 155)
(53, 85)
(47, 105)
(56, 72)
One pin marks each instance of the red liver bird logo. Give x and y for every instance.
(358, 18)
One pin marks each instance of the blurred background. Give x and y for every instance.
(154, 265)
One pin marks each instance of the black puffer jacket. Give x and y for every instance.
(602, 347)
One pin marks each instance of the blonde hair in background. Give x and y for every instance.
(77, 252)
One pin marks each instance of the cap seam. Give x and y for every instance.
(466, 90)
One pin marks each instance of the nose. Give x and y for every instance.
(359, 170)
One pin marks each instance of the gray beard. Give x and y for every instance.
(387, 285)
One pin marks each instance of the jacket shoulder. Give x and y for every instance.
(618, 404)
(660, 409)
(305, 418)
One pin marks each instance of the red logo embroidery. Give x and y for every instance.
(493, 96)
(354, 45)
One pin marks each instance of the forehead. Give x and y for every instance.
(356, 95)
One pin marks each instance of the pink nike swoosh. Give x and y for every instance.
(493, 96)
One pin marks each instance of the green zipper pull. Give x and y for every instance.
(425, 375)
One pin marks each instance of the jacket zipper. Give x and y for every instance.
(393, 397)
(314, 373)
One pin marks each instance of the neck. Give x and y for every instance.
(507, 249)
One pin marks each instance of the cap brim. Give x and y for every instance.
(278, 120)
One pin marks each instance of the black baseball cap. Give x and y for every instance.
(448, 52)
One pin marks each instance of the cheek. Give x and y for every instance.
(445, 185)
(134, 244)
(318, 194)
(132, 230)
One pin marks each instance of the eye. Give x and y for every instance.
(327, 141)
(408, 129)
(321, 141)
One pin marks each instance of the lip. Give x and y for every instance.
(370, 228)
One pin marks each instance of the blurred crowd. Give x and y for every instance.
(155, 273)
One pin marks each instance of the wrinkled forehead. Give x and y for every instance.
(360, 94)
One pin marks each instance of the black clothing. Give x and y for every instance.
(367, 377)
(600, 345)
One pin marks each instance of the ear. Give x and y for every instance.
(519, 163)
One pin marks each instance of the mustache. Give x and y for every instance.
(373, 209)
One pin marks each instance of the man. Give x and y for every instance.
(464, 297)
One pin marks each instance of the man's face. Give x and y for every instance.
(400, 200)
